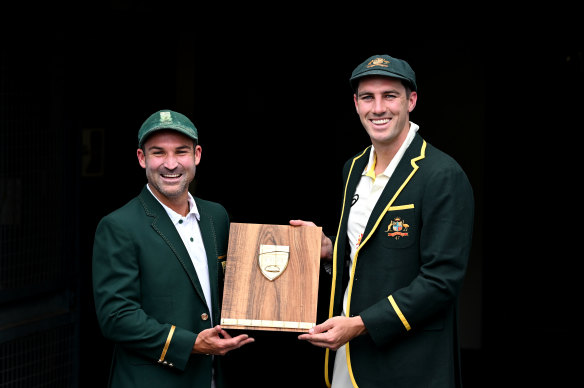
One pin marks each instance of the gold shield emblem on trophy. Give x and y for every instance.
(273, 260)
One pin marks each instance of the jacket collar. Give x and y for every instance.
(405, 169)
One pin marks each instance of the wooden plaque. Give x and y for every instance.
(271, 277)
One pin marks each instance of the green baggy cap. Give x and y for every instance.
(167, 119)
(386, 66)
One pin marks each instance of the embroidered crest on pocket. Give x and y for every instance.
(397, 228)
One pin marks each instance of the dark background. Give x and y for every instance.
(276, 121)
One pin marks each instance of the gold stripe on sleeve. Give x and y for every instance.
(167, 344)
(399, 313)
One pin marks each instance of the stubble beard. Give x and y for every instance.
(170, 191)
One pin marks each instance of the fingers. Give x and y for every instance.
(244, 340)
(222, 332)
(332, 333)
(326, 251)
(323, 327)
(319, 335)
(323, 340)
(301, 223)
(238, 341)
(232, 343)
(218, 342)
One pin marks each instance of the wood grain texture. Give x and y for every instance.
(290, 298)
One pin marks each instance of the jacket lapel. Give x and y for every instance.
(162, 224)
(406, 168)
(208, 234)
(352, 180)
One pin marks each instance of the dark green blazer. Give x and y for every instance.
(408, 272)
(148, 298)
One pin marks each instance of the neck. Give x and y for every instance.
(385, 154)
(386, 151)
(179, 204)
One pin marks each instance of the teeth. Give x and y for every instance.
(171, 175)
(381, 121)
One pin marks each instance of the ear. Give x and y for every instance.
(355, 101)
(141, 157)
(412, 101)
(198, 151)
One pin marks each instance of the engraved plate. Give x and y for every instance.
(228, 321)
(267, 324)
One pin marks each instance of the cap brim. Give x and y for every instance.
(166, 127)
(384, 73)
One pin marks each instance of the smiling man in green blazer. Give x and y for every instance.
(401, 249)
(157, 269)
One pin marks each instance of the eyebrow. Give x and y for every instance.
(365, 92)
(181, 147)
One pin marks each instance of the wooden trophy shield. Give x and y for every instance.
(271, 277)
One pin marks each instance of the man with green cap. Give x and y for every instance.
(401, 249)
(157, 267)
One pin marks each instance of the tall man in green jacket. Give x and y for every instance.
(157, 268)
(401, 249)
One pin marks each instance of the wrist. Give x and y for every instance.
(359, 326)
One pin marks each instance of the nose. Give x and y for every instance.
(170, 162)
(378, 106)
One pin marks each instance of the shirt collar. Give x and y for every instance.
(174, 216)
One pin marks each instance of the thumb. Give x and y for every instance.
(325, 326)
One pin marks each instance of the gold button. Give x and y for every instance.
(204, 316)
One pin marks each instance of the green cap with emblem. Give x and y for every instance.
(386, 66)
(167, 119)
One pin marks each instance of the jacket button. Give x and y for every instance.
(204, 316)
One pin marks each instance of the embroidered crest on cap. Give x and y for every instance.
(378, 62)
(397, 228)
(165, 117)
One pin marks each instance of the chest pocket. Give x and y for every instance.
(398, 228)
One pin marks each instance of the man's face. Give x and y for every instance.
(384, 107)
(170, 159)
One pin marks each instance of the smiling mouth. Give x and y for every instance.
(380, 121)
(170, 176)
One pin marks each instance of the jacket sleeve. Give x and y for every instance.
(447, 213)
(116, 287)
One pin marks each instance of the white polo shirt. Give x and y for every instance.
(366, 195)
(188, 229)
